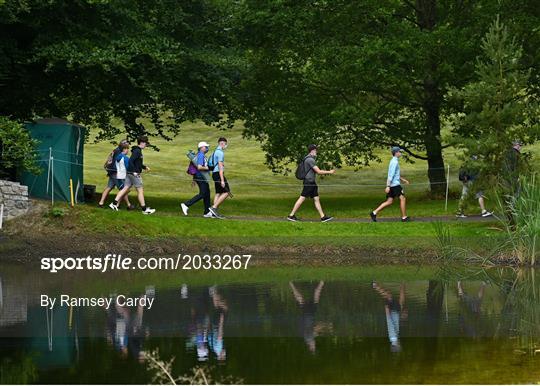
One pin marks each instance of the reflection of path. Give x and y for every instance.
(469, 310)
(395, 311)
(310, 329)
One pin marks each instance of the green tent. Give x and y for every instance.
(60, 154)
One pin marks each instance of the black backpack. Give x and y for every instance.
(301, 171)
(110, 162)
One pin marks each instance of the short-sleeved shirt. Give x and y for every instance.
(394, 174)
(309, 164)
(201, 160)
(219, 156)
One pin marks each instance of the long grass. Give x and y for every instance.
(522, 221)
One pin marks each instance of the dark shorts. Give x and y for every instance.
(395, 191)
(217, 184)
(310, 190)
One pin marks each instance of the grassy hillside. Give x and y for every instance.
(257, 191)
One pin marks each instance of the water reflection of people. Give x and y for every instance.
(469, 311)
(207, 328)
(395, 312)
(310, 329)
(217, 327)
(125, 330)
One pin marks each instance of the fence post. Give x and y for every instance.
(71, 192)
(447, 186)
(1, 215)
(49, 168)
(52, 181)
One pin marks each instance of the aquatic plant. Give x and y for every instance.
(521, 222)
(449, 251)
(519, 239)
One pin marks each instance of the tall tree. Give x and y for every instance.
(499, 107)
(357, 76)
(100, 61)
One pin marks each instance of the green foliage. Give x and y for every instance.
(498, 108)
(56, 212)
(108, 64)
(522, 225)
(356, 76)
(17, 149)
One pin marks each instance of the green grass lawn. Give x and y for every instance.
(207, 234)
(259, 192)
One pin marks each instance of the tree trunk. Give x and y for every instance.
(432, 139)
(426, 15)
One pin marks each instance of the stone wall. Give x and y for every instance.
(14, 196)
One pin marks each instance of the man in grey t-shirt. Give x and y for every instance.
(310, 188)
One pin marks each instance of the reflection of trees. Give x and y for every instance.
(523, 303)
(520, 311)
(19, 369)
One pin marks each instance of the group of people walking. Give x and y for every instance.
(125, 172)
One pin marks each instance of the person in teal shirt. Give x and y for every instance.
(393, 187)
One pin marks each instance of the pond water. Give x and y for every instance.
(313, 328)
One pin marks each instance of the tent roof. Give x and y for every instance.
(55, 121)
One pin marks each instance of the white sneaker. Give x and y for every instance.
(208, 215)
(148, 211)
(185, 208)
(486, 214)
(113, 207)
(461, 215)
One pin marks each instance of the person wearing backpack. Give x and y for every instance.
(111, 169)
(217, 165)
(468, 176)
(198, 168)
(306, 171)
(122, 163)
(134, 178)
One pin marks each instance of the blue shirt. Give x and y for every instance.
(121, 171)
(201, 160)
(394, 175)
(219, 156)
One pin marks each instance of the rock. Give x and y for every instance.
(14, 196)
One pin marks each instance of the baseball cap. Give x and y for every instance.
(203, 143)
(312, 147)
(395, 149)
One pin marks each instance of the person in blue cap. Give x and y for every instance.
(393, 187)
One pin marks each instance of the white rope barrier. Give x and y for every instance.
(251, 182)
